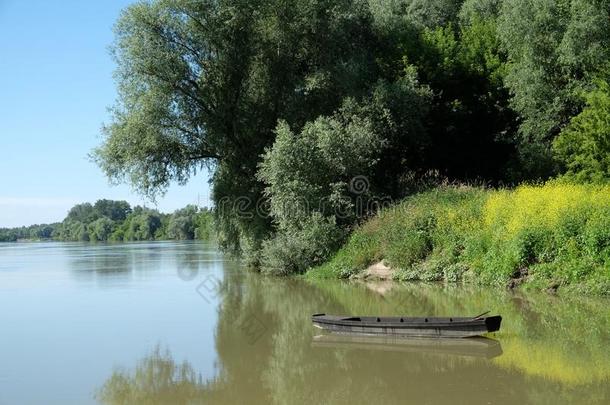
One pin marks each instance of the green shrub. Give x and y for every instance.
(297, 249)
(584, 145)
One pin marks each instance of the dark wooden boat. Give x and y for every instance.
(478, 346)
(430, 327)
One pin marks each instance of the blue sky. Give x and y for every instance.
(55, 87)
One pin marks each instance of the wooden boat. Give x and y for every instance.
(478, 346)
(430, 327)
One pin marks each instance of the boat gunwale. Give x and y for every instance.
(408, 322)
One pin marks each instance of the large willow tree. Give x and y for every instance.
(202, 84)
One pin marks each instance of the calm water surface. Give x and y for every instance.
(176, 323)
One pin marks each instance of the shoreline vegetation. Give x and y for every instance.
(312, 111)
(551, 236)
(114, 221)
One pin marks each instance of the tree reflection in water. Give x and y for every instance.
(284, 367)
(157, 379)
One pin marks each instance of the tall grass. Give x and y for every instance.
(554, 235)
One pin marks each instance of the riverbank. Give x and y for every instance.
(554, 236)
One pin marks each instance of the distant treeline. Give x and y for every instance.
(109, 220)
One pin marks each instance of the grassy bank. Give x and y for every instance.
(548, 236)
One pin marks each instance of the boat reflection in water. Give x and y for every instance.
(480, 347)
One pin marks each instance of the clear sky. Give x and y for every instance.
(55, 87)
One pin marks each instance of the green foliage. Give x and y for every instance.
(545, 236)
(473, 10)
(82, 213)
(284, 102)
(204, 84)
(113, 210)
(109, 220)
(432, 13)
(32, 232)
(555, 49)
(312, 170)
(101, 229)
(464, 66)
(584, 145)
(314, 174)
(301, 246)
(204, 225)
(142, 224)
(78, 231)
(42, 231)
(310, 173)
(182, 223)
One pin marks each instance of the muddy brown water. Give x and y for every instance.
(177, 323)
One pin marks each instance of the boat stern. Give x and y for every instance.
(493, 323)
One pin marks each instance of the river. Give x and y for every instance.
(177, 323)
